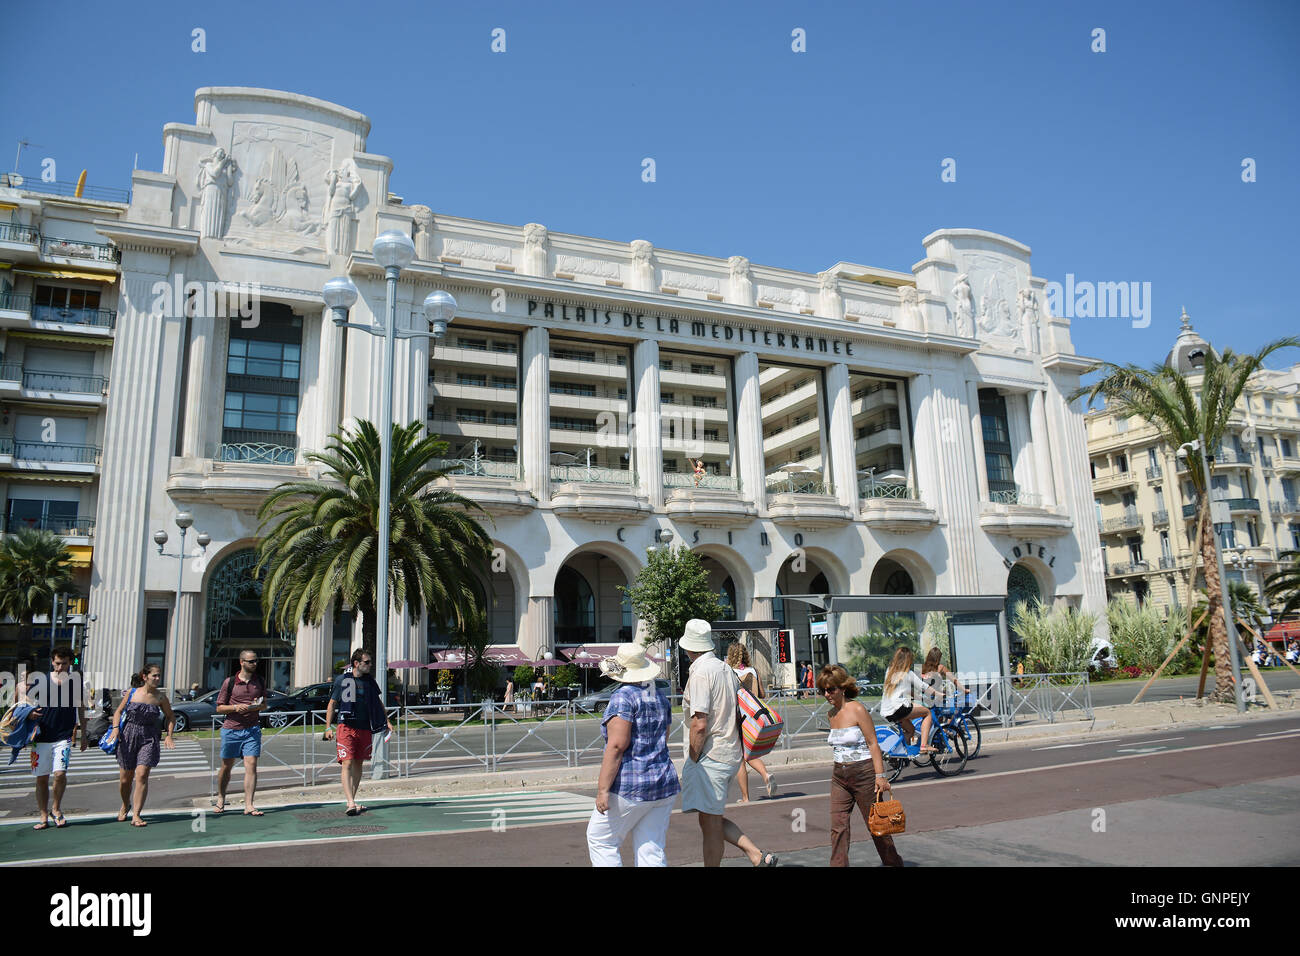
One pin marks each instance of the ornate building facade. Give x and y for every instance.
(853, 431)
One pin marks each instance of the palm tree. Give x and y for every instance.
(321, 542)
(34, 567)
(1164, 397)
(1245, 604)
(1284, 585)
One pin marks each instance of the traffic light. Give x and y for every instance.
(783, 647)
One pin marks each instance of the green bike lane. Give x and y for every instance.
(90, 838)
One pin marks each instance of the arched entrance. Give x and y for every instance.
(801, 574)
(589, 607)
(233, 621)
(1022, 588)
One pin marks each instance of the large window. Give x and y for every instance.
(474, 401)
(253, 410)
(260, 407)
(590, 383)
(880, 448)
(696, 422)
(795, 445)
(997, 442)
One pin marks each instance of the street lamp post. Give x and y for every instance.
(394, 251)
(183, 521)
(1200, 445)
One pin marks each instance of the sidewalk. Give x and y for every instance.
(1145, 717)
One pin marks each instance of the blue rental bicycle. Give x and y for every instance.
(950, 746)
(960, 719)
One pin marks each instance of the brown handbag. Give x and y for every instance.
(885, 817)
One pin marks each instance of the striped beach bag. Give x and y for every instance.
(760, 726)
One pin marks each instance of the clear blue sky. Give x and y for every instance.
(1123, 165)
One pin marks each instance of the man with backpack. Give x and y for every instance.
(58, 698)
(713, 746)
(242, 698)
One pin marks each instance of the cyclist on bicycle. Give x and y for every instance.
(902, 688)
(932, 671)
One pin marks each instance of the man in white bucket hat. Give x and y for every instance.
(713, 750)
(638, 785)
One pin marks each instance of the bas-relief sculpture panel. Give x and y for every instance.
(989, 297)
(286, 195)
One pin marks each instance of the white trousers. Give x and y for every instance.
(645, 821)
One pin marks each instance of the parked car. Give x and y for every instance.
(597, 701)
(199, 713)
(1103, 656)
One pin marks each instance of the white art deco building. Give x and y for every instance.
(854, 431)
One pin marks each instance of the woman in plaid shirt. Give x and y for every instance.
(638, 784)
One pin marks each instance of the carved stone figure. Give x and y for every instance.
(963, 306)
(911, 308)
(643, 269)
(423, 218)
(1027, 303)
(215, 180)
(535, 249)
(259, 212)
(742, 286)
(296, 215)
(831, 301)
(341, 188)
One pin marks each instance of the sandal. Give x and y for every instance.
(766, 859)
(353, 811)
(218, 809)
(60, 821)
(41, 826)
(138, 823)
(771, 785)
(122, 814)
(254, 813)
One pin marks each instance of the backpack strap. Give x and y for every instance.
(227, 689)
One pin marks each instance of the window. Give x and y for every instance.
(573, 355)
(805, 452)
(1092, 465)
(572, 388)
(997, 441)
(1135, 549)
(572, 424)
(478, 345)
(1165, 552)
(465, 378)
(1252, 534)
(503, 381)
(710, 434)
(1227, 535)
(1153, 459)
(49, 299)
(504, 418)
(155, 636)
(509, 348)
(261, 412)
(1121, 464)
(698, 368)
(1129, 499)
(666, 398)
(665, 365)
(471, 415)
(56, 516)
(1286, 447)
(503, 454)
(266, 359)
(704, 401)
(670, 465)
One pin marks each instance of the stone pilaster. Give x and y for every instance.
(539, 627)
(197, 393)
(649, 451)
(311, 655)
(535, 425)
(1040, 435)
(977, 434)
(189, 642)
(843, 463)
(749, 429)
(1076, 495)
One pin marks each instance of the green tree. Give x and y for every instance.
(566, 675)
(670, 590)
(1283, 586)
(474, 638)
(870, 653)
(321, 537)
(1182, 413)
(1141, 636)
(34, 567)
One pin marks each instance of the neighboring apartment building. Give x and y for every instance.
(854, 431)
(1146, 503)
(59, 287)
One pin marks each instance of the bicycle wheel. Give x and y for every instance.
(896, 767)
(972, 730)
(952, 756)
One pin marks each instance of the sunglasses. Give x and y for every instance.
(365, 662)
(245, 660)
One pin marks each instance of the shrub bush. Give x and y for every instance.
(1057, 641)
(1142, 636)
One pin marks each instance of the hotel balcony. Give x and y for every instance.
(1231, 458)
(1155, 473)
(1130, 520)
(1123, 479)
(780, 438)
(1131, 567)
(567, 364)
(79, 530)
(880, 435)
(41, 456)
(1168, 563)
(790, 401)
(714, 501)
(1287, 465)
(240, 474)
(1020, 513)
(1159, 518)
(39, 386)
(495, 484)
(1288, 507)
(894, 507)
(600, 495)
(74, 252)
(485, 358)
(1189, 512)
(1243, 505)
(804, 501)
(453, 429)
(18, 239)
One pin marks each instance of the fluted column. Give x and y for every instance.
(649, 451)
(843, 465)
(977, 434)
(197, 390)
(905, 428)
(535, 427)
(1039, 435)
(311, 654)
(952, 455)
(928, 444)
(1076, 493)
(189, 648)
(329, 383)
(131, 433)
(749, 429)
(539, 627)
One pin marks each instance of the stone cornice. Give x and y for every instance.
(141, 237)
(1070, 363)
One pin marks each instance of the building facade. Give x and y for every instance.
(1146, 502)
(854, 431)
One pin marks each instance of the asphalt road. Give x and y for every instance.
(1116, 801)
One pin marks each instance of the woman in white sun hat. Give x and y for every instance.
(637, 785)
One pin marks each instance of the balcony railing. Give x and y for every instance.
(6, 446)
(11, 372)
(1243, 504)
(98, 318)
(1131, 567)
(1015, 496)
(1189, 511)
(1167, 563)
(1288, 506)
(13, 232)
(1129, 519)
(714, 482)
(76, 249)
(1159, 517)
(64, 382)
(1231, 456)
(54, 452)
(592, 473)
(1154, 472)
(869, 489)
(17, 302)
(446, 378)
(67, 527)
(481, 467)
(102, 193)
(257, 453)
(798, 485)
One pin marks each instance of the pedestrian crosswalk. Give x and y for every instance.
(501, 810)
(93, 765)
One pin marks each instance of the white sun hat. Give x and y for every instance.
(698, 636)
(629, 665)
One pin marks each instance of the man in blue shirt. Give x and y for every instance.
(58, 700)
(357, 701)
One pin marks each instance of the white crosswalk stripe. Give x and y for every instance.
(500, 810)
(95, 765)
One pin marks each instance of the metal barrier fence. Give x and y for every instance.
(493, 736)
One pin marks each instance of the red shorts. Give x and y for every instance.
(353, 744)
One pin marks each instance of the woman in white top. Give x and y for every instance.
(738, 660)
(902, 689)
(853, 743)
